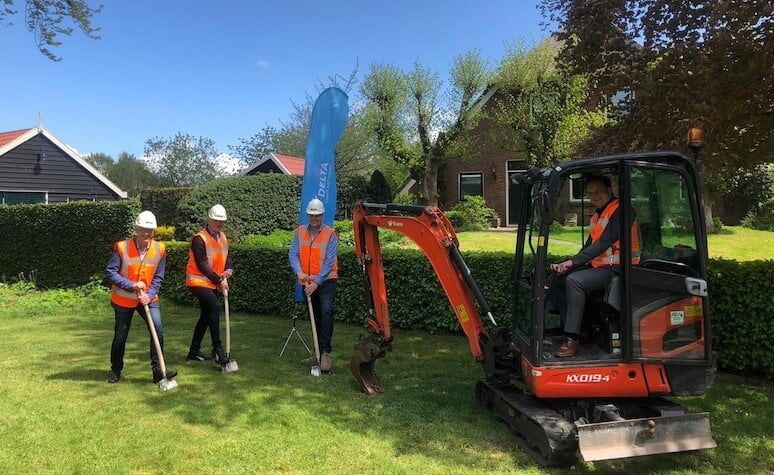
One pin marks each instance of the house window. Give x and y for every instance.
(576, 188)
(471, 184)
(23, 197)
(517, 165)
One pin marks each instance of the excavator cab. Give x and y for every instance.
(644, 337)
(654, 307)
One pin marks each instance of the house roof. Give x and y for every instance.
(6, 137)
(288, 165)
(12, 139)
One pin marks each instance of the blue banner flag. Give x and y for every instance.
(329, 117)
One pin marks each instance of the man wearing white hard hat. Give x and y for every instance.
(209, 267)
(136, 272)
(313, 259)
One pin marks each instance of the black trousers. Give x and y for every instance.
(568, 294)
(322, 304)
(209, 318)
(122, 325)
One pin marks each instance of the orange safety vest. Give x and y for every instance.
(312, 252)
(612, 256)
(217, 252)
(136, 268)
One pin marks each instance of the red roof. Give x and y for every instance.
(10, 136)
(294, 165)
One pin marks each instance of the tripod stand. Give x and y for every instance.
(294, 331)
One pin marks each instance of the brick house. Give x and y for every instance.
(276, 163)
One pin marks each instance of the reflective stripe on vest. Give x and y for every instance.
(136, 268)
(612, 255)
(217, 252)
(312, 252)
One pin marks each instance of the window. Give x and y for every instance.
(576, 188)
(517, 165)
(471, 184)
(23, 197)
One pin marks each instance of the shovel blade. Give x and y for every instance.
(636, 437)
(167, 384)
(229, 367)
(315, 371)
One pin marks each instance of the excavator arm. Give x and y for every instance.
(434, 234)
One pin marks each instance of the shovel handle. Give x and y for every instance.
(154, 337)
(314, 329)
(228, 320)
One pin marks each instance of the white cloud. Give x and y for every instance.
(230, 165)
(263, 63)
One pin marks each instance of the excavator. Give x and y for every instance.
(644, 339)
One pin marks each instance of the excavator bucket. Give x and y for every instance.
(367, 351)
(636, 437)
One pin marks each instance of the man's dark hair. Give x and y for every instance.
(600, 179)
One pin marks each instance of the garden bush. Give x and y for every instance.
(472, 214)
(406, 199)
(740, 295)
(163, 202)
(164, 233)
(256, 204)
(761, 218)
(62, 245)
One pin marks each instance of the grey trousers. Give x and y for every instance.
(576, 285)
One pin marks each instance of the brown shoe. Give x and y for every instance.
(325, 362)
(568, 348)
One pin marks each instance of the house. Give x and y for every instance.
(36, 167)
(276, 163)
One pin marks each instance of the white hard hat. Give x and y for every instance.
(146, 220)
(217, 212)
(315, 206)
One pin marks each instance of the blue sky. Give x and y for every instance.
(223, 69)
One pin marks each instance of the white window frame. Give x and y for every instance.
(459, 184)
(507, 191)
(574, 200)
(23, 191)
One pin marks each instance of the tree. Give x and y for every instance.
(355, 152)
(413, 125)
(132, 175)
(696, 62)
(48, 20)
(100, 161)
(183, 160)
(544, 111)
(378, 188)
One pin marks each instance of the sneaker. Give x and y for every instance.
(198, 356)
(325, 362)
(220, 356)
(114, 377)
(158, 376)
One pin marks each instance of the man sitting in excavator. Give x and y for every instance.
(591, 269)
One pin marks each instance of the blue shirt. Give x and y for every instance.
(112, 272)
(330, 256)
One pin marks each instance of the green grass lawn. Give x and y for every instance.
(58, 414)
(735, 242)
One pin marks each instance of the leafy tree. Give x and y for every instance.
(183, 160)
(48, 20)
(100, 161)
(411, 122)
(695, 62)
(132, 175)
(378, 188)
(544, 111)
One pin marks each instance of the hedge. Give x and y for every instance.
(256, 204)
(62, 245)
(740, 295)
(163, 202)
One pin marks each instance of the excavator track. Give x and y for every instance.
(541, 431)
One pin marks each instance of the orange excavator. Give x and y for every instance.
(644, 339)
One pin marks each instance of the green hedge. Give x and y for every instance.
(163, 202)
(256, 204)
(740, 295)
(62, 245)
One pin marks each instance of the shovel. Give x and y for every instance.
(166, 383)
(230, 365)
(315, 371)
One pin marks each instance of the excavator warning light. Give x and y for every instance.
(695, 138)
